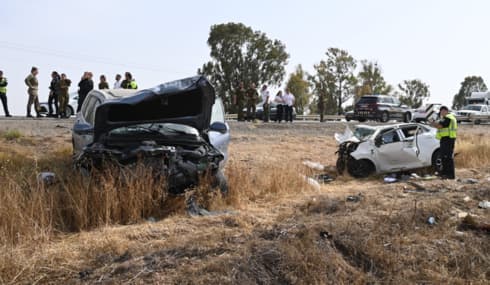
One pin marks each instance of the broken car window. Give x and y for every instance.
(390, 136)
(363, 133)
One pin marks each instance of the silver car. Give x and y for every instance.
(71, 108)
(178, 128)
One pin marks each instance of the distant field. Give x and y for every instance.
(272, 228)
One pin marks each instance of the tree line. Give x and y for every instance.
(240, 54)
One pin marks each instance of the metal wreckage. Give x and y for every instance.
(167, 129)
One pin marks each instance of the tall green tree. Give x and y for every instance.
(324, 90)
(413, 92)
(470, 84)
(300, 87)
(371, 81)
(240, 54)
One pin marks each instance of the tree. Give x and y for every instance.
(413, 92)
(323, 84)
(300, 87)
(341, 66)
(239, 54)
(371, 80)
(469, 85)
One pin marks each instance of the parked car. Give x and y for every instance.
(71, 109)
(381, 108)
(259, 112)
(387, 149)
(464, 115)
(177, 128)
(349, 116)
(426, 112)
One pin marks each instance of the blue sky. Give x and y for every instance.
(439, 42)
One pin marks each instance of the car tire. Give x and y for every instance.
(360, 168)
(407, 117)
(385, 117)
(69, 111)
(437, 161)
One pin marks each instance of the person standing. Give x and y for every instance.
(3, 94)
(252, 97)
(54, 90)
(32, 91)
(117, 84)
(289, 103)
(64, 95)
(264, 93)
(129, 82)
(84, 87)
(447, 129)
(103, 83)
(279, 100)
(239, 101)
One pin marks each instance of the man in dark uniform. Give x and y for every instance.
(447, 128)
(85, 86)
(54, 90)
(239, 100)
(3, 94)
(252, 97)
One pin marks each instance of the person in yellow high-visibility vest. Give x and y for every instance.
(3, 94)
(447, 128)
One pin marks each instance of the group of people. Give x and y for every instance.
(59, 91)
(248, 98)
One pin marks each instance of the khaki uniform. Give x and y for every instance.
(64, 95)
(32, 91)
(252, 98)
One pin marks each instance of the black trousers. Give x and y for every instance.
(447, 156)
(3, 97)
(53, 99)
(81, 98)
(289, 113)
(279, 113)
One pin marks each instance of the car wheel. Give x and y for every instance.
(437, 161)
(385, 117)
(69, 111)
(360, 168)
(407, 117)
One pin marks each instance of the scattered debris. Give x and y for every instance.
(326, 235)
(462, 215)
(431, 221)
(314, 165)
(151, 220)
(466, 199)
(84, 274)
(324, 178)
(194, 209)
(468, 181)
(469, 223)
(390, 179)
(48, 178)
(355, 198)
(312, 182)
(484, 204)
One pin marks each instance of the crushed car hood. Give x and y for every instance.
(187, 101)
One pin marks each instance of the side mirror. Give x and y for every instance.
(83, 129)
(219, 127)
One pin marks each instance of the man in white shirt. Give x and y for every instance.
(264, 93)
(117, 84)
(289, 103)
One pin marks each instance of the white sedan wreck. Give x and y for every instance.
(387, 149)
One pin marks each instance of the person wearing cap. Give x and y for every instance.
(32, 91)
(447, 128)
(3, 94)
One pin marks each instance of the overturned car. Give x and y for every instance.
(389, 148)
(176, 129)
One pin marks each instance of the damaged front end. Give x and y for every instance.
(348, 143)
(181, 167)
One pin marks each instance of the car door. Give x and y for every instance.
(390, 151)
(83, 130)
(219, 137)
(415, 150)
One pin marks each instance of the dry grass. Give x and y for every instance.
(279, 230)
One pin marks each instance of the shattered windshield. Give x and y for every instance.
(156, 128)
(472, 107)
(363, 133)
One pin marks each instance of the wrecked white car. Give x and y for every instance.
(177, 129)
(386, 149)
